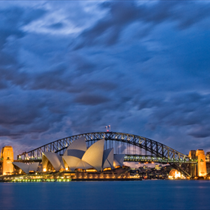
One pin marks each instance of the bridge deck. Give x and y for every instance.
(130, 158)
(149, 159)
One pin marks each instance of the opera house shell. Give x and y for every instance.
(78, 156)
(26, 168)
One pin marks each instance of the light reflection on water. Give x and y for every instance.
(159, 194)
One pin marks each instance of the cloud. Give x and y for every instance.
(200, 132)
(13, 18)
(88, 99)
(56, 26)
(142, 67)
(120, 15)
(189, 110)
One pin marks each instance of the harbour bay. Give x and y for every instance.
(149, 194)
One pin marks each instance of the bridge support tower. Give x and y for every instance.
(193, 167)
(7, 156)
(198, 169)
(202, 172)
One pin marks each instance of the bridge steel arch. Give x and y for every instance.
(155, 148)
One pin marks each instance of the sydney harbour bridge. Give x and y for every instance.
(136, 149)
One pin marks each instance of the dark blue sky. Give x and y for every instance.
(72, 67)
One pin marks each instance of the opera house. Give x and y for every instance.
(77, 157)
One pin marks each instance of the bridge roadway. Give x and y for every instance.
(152, 159)
(132, 158)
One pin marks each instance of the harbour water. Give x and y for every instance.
(119, 195)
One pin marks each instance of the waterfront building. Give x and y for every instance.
(208, 156)
(158, 167)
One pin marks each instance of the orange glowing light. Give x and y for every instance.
(91, 170)
(107, 169)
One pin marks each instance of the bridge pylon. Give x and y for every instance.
(202, 172)
(193, 168)
(7, 157)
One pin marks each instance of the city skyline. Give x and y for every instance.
(140, 66)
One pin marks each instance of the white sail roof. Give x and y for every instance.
(26, 167)
(71, 161)
(108, 158)
(55, 160)
(83, 165)
(78, 144)
(33, 166)
(75, 153)
(94, 155)
(119, 159)
(74, 163)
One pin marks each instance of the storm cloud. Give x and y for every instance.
(70, 68)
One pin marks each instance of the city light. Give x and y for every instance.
(177, 174)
